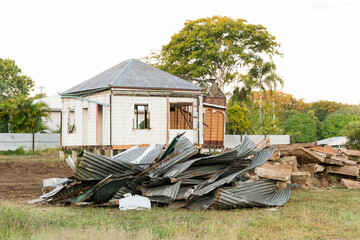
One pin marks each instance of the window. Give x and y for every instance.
(141, 116)
(71, 121)
(181, 116)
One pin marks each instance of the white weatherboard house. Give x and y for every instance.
(131, 104)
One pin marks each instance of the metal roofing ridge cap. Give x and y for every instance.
(124, 70)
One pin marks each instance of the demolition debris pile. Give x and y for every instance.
(177, 176)
(248, 175)
(312, 166)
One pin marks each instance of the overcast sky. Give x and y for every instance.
(62, 43)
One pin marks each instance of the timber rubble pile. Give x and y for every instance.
(177, 176)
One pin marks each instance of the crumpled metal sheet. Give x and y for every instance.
(263, 193)
(183, 150)
(245, 149)
(142, 157)
(169, 191)
(96, 167)
(259, 159)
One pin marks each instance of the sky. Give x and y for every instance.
(62, 43)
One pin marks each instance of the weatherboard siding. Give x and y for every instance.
(123, 116)
(76, 138)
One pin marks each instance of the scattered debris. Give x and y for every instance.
(248, 175)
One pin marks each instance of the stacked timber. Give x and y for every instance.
(308, 165)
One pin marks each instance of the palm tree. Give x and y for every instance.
(261, 75)
(23, 115)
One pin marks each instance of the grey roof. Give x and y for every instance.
(133, 74)
(333, 141)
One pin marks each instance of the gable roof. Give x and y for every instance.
(134, 74)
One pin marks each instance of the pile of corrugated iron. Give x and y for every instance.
(177, 176)
(311, 166)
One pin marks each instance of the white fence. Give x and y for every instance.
(234, 140)
(12, 141)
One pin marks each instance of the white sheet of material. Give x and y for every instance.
(70, 162)
(135, 202)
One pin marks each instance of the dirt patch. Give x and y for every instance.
(22, 181)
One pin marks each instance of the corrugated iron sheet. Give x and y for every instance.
(263, 193)
(259, 159)
(184, 149)
(96, 167)
(135, 154)
(169, 191)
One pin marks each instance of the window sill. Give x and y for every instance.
(141, 129)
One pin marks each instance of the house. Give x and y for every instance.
(132, 104)
(54, 103)
(336, 142)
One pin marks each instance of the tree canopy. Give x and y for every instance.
(301, 128)
(238, 121)
(352, 132)
(22, 115)
(323, 108)
(12, 81)
(334, 123)
(215, 47)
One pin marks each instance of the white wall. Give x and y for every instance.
(234, 140)
(76, 138)
(123, 116)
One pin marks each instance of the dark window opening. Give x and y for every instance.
(141, 117)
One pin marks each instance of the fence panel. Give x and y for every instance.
(12, 141)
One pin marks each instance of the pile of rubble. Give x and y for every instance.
(176, 176)
(311, 166)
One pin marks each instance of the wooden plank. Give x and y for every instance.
(292, 146)
(306, 156)
(344, 170)
(275, 170)
(350, 183)
(123, 147)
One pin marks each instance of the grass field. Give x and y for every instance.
(313, 214)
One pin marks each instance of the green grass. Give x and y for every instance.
(314, 214)
(21, 155)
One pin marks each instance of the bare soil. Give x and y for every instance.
(22, 181)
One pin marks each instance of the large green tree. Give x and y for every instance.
(21, 114)
(301, 127)
(12, 81)
(323, 108)
(238, 120)
(352, 132)
(215, 47)
(334, 123)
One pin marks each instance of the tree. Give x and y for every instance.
(352, 132)
(260, 75)
(270, 124)
(334, 123)
(323, 108)
(238, 119)
(301, 128)
(215, 47)
(21, 115)
(349, 110)
(12, 81)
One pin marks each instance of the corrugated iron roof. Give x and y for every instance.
(133, 73)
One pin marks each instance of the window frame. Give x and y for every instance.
(146, 116)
